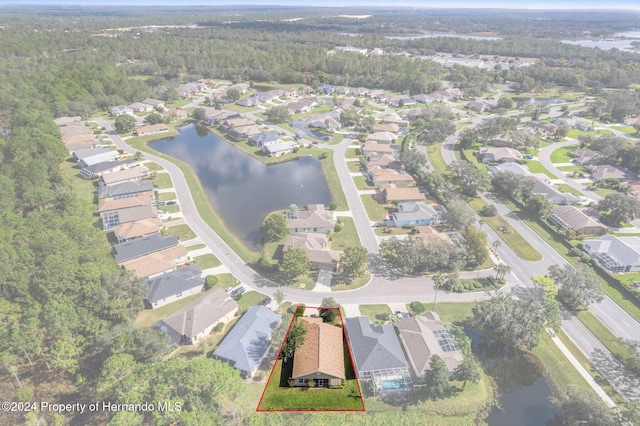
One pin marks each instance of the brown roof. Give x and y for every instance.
(315, 246)
(370, 146)
(387, 127)
(403, 194)
(155, 263)
(78, 138)
(122, 175)
(152, 128)
(389, 175)
(107, 204)
(428, 233)
(574, 218)
(64, 121)
(322, 350)
(139, 228)
(314, 217)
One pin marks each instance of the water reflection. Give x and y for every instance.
(241, 189)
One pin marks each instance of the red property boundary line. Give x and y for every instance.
(355, 372)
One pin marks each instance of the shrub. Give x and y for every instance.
(219, 326)
(488, 211)
(333, 206)
(408, 226)
(210, 281)
(337, 228)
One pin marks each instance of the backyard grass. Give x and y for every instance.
(378, 314)
(375, 210)
(83, 188)
(196, 247)
(561, 155)
(207, 261)
(537, 167)
(362, 183)
(249, 299)
(347, 237)
(183, 232)
(166, 196)
(518, 244)
(434, 154)
(163, 181)
(148, 317)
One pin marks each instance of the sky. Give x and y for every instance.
(531, 4)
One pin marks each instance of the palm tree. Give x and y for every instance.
(501, 270)
(480, 223)
(439, 279)
(496, 244)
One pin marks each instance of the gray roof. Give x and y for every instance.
(415, 210)
(199, 315)
(175, 282)
(374, 347)
(247, 343)
(106, 165)
(262, 138)
(553, 194)
(125, 188)
(625, 250)
(571, 217)
(88, 152)
(143, 246)
(98, 158)
(133, 214)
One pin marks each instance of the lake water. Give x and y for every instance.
(602, 44)
(241, 189)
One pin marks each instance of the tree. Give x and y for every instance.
(295, 263)
(435, 130)
(578, 286)
(279, 297)
(210, 281)
(505, 102)
(516, 186)
(353, 260)
(295, 339)
(417, 308)
(124, 123)
(274, 228)
(561, 133)
(439, 280)
(199, 114)
(617, 208)
(476, 245)
(233, 94)
(279, 114)
(437, 378)
(468, 177)
(413, 160)
(329, 315)
(467, 371)
(154, 118)
(583, 407)
(458, 215)
(349, 117)
(501, 270)
(538, 205)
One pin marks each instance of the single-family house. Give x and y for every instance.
(298, 107)
(315, 219)
(501, 140)
(196, 320)
(607, 171)
(412, 113)
(386, 128)
(217, 117)
(151, 129)
(586, 157)
(391, 194)
(371, 147)
(99, 169)
(553, 194)
(478, 106)
(264, 139)
(89, 152)
(231, 123)
(137, 229)
(518, 169)
(75, 128)
(632, 121)
(151, 255)
(385, 161)
(342, 90)
(156, 103)
(307, 90)
(377, 355)
(122, 176)
(316, 247)
(246, 345)
(379, 176)
(401, 100)
(498, 155)
(177, 113)
(415, 213)
(183, 92)
(240, 87)
(423, 99)
(395, 119)
(174, 285)
(321, 357)
(80, 141)
(383, 137)
(569, 217)
(243, 132)
(424, 336)
(65, 121)
(359, 91)
(428, 233)
(120, 110)
(326, 89)
(615, 254)
(280, 148)
(98, 157)
(546, 128)
(140, 107)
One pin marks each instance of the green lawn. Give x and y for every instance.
(603, 192)
(166, 196)
(279, 396)
(347, 237)
(338, 284)
(148, 317)
(388, 231)
(153, 167)
(451, 312)
(434, 154)
(537, 167)
(362, 183)
(196, 247)
(163, 181)
(570, 189)
(183, 232)
(561, 155)
(353, 166)
(375, 210)
(83, 188)
(207, 261)
(576, 133)
(569, 168)
(377, 313)
(351, 153)
(603, 333)
(630, 130)
(518, 244)
(249, 299)
(171, 208)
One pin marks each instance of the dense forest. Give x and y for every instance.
(66, 309)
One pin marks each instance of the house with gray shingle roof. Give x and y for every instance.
(173, 286)
(553, 194)
(264, 139)
(415, 213)
(196, 320)
(143, 246)
(125, 189)
(314, 219)
(246, 345)
(377, 355)
(424, 336)
(616, 254)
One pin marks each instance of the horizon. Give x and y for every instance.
(585, 5)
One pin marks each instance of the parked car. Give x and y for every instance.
(265, 301)
(528, 156)
(159, 203)
(228, 289)
(172, 202)
(237, 292)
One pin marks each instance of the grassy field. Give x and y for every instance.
(434, 154)
(249, 299)
(576, 133)
(171, 208)
(166, 196)
(362, 183)
(183, 232)
(603, 192)
(377, 313)
(353, 166)
(518, 244)
(196, 247)
(537, 167)
(603, 333)
(163, 181)
(375, 210)
(451, 312)
(207, 261)
(630, 130)
(569, 168)
(338, 284)
(83, 188)
(561, 155)
(347, 237)
(351, 153)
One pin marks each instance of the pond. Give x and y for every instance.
(523, 392)
(241, 189)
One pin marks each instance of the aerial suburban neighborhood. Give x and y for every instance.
(429, 223)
